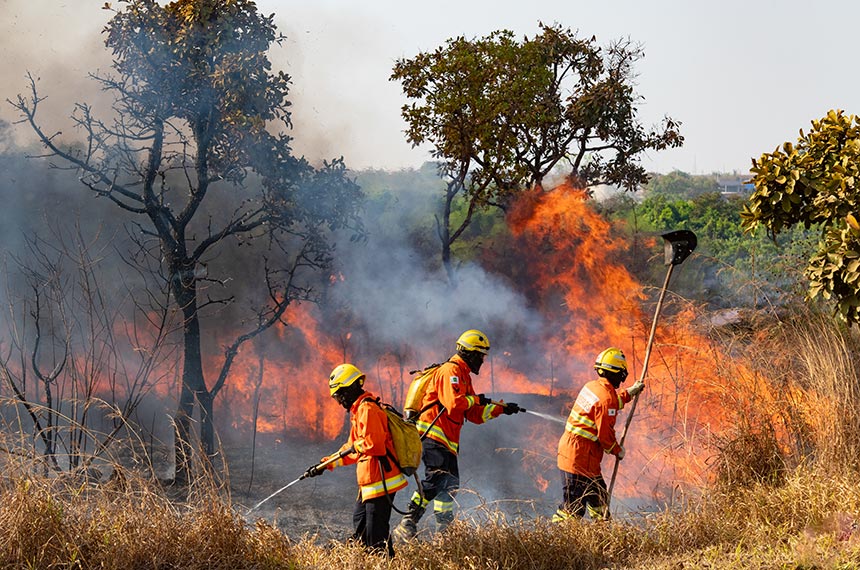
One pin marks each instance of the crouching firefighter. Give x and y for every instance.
(449, 399)
(370, 446)
(589, 434)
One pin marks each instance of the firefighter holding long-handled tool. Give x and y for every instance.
(371, 447)
(589, 434)
(590, 429)
(449, 401)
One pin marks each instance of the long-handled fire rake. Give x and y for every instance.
(677, 247)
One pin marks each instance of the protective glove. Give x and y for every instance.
(621, 454)
(314, 471)
(483, 400)
(636, 388)
(511, 408)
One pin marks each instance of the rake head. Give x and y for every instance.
(678, 245)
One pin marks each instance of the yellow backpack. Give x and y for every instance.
(415, 394)
(407, 440)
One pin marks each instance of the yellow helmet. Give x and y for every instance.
(611, 360)
(474, 339)
(343, 376)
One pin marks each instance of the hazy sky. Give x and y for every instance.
(741, 76)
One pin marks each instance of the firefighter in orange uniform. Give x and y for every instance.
(589, 434)
(449, 401)
(371, 447)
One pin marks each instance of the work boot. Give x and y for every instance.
(443, 519)
(408, 527)
(443, 508)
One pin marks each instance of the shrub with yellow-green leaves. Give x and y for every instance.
(817, 181)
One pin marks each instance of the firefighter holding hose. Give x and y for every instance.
(449, 401)
(370, 446)
(589, 434)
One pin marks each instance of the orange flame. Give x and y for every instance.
(591, 301)
(292, 397)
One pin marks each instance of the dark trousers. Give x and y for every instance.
(441, 473)
(584, 494)
(441, 481)
(371, 520)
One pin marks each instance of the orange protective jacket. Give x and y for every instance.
(590, 429)
(374, 450)
(451, 386)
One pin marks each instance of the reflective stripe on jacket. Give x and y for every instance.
(590, 428)
(451, 386)
(374, 448)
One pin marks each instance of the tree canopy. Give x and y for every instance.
(500, 114)
(815, 181)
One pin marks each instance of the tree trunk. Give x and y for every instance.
(444, 229)
(446, 263)
(194, 390)
(207, 425)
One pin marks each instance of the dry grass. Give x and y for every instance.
(807, 409)
(807, 522)
(826, 364)
(47, 523)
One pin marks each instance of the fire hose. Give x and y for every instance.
(305, 475)
(545, 416)
(346, 452)
(678, 245)
(326, 463)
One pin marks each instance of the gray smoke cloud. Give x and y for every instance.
(393, 288)
(58, 43)
(395, 283)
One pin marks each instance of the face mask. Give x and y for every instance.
(341, 399)
(474, 360)
(346, 397)
(616, 378)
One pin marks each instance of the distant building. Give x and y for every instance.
(735, 186)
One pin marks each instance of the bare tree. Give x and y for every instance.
(66, 333)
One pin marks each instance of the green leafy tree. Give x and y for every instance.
(816, 182)
(681, 184)
(731, 268)
(199, 117)
(500, 114)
